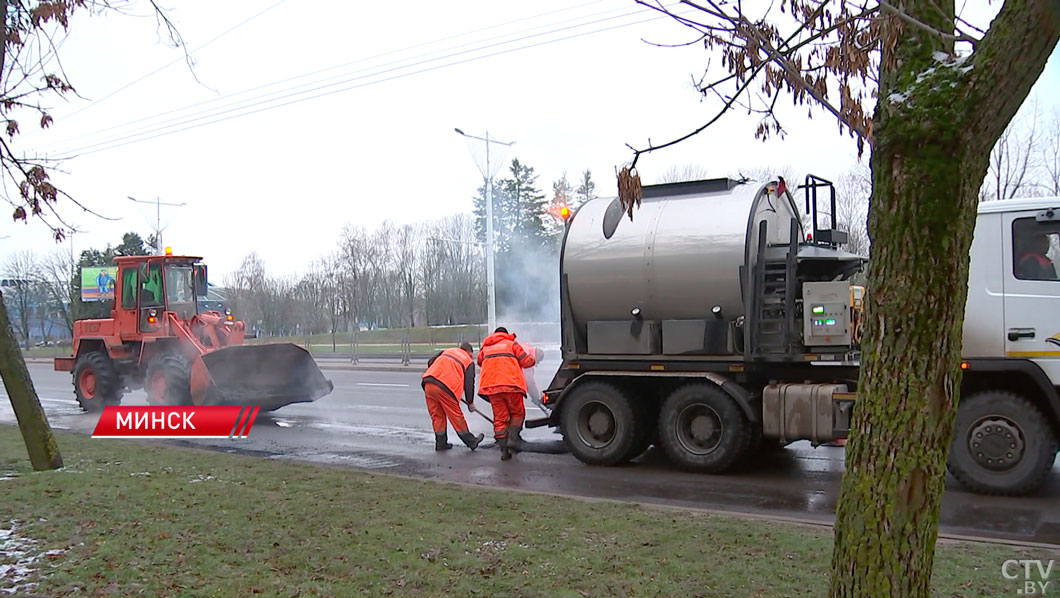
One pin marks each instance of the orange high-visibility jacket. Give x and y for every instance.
(502, 361)
(454, 371)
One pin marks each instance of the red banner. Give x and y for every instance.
(212, 421)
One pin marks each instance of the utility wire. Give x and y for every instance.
(110, 130)
(149, 131)
(224, 115)
(175, 61)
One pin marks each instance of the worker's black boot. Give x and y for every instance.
(441, 442)
(515, 442)
(502, 442)
(470, 439)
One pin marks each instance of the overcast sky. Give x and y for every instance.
(570, 82)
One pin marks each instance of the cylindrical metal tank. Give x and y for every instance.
(679, 256)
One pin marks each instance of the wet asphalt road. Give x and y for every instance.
(377, 421)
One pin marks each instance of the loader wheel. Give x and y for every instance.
(96, 382)
(703, 429)
(168, 381)
(1002, 444)
(598, 424)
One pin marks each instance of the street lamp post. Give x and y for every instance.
(158, 219)
(491, 289)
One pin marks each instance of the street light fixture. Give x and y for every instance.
(491, 289)
(159, 247)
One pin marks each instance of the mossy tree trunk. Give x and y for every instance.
(935, 124)
(37, 434)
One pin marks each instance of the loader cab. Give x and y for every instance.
(153, 285)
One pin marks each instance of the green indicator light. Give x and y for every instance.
(818, 309)
(829, 322)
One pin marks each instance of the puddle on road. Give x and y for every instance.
(411, 434)
(359, 461)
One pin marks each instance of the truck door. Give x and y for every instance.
(1031, 250)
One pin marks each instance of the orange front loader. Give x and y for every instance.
(156, 338)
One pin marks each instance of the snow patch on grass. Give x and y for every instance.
(19, 559)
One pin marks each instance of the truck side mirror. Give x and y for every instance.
(199, 280)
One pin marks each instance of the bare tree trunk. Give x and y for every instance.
(33, 423)
(936, 122)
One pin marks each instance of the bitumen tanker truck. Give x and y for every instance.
(721, 318)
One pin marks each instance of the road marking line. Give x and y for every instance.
(381, 384)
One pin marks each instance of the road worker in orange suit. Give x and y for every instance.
(503, 384)
(450, 374)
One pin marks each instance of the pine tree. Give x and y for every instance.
(525, 203)
(586, 189)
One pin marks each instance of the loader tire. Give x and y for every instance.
(168, 381)
(598, 424)
(96, 382)
(1002, 444)
(703, 429)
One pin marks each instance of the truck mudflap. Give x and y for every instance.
(269, 376)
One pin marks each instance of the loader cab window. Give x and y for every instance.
(151, 316)
(180, 291)
(151, 287)
(1035, 249)
(129, 284)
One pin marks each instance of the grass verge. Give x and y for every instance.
(139, 519)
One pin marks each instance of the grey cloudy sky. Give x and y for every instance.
(312, 115)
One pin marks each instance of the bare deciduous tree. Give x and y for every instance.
(686, 172)
(1014, 161)
(22, 291)
(55, 272)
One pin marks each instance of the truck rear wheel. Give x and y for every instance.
(96, 382)
(1002, 444)
(598, 424)
(703, 429)
(168, 381)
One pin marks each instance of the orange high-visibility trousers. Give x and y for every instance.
(508, 410)
(442, 405)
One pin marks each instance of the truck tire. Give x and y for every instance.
(96, 382)
(168, 381)
(598, 423)
(703, 429)
(1002, 444)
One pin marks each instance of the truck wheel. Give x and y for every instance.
(703, 429)
(598, 424)
(96, 382)
(1002, 444)
(168, 381)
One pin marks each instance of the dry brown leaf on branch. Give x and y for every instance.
(629, 189)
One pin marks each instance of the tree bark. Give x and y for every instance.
(935, 123)
(36, 433)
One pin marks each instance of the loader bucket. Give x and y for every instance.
(269, 376)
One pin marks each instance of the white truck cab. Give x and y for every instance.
(1005, 440)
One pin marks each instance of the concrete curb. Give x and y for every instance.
(323, 364)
